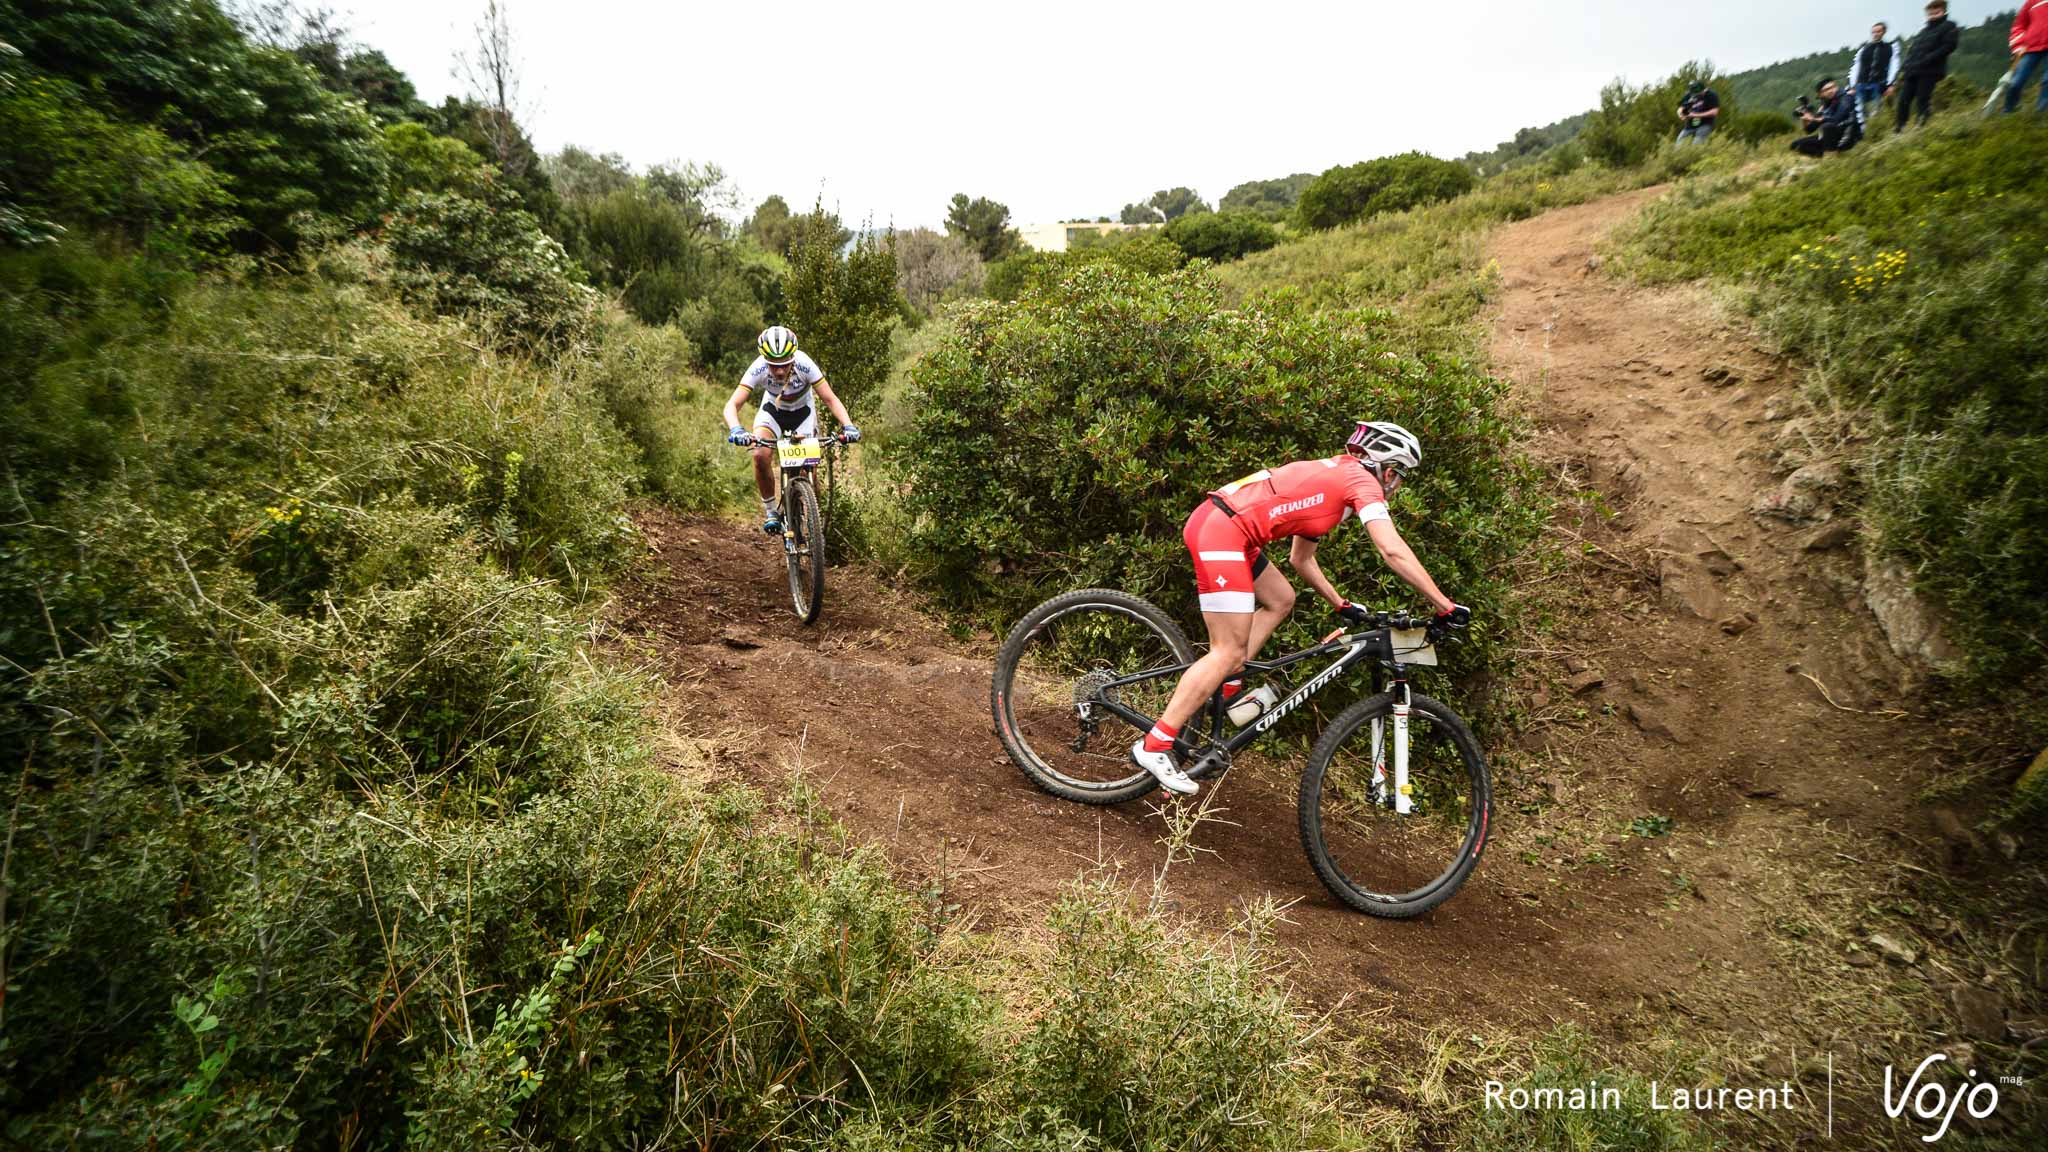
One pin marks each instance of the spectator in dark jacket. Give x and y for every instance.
(1698, 112)
(1870, 73)
(2029, 54)
(1926, 62)
(1836, 121)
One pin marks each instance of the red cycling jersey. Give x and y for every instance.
(1305, 498)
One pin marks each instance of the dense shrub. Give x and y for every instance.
(1221, 236)
(1388, 184)
(1912, 279)
(1272, 199)
(283, 142)
(490, 261)
(70, 163)
(1066, 437)
(1757, 126)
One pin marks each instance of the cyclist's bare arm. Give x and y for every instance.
(1301, 556)
(824, 390)
(1401, 559)
(732, 406)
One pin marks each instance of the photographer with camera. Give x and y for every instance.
(1697, 113)
(1832, 127)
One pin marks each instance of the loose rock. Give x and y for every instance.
(1830, 536)
(1981, 1012)
(1891, 949)
(1585, 682)
(1653, 722)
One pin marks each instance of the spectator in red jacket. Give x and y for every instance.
(2029, 54)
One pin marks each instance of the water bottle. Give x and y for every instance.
(1251, 705)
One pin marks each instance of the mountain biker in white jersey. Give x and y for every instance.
(786, 378)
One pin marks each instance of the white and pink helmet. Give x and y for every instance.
(1379, 444)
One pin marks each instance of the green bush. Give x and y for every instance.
(1221, 236)
(1912, 279)
(423, 162)
(489, 261)
(1755, 127)
(1065, 438)
(73, 164)
(1388, 184)
(286, 147)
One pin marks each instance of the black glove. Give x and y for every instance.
(1457, 617)
(1353, 614)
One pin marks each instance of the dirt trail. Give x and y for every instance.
(1570, 915)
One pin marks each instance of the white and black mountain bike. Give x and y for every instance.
(803, 521)
(1395, 800)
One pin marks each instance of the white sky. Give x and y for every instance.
(1062, 109)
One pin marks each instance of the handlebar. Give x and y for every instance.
(1400, 620)
(752, 441)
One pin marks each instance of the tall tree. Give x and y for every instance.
(984, 224)
(1163, 205)
(843, 304)
(492, 70)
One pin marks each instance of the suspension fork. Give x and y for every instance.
(1393, 787)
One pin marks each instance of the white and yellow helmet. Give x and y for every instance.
(778, 345)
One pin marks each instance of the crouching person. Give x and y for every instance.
(1832, 126)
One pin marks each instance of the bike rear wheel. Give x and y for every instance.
(1370, 857)
(1052, 674)
(805, 544)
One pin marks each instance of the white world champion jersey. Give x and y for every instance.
(796, 393)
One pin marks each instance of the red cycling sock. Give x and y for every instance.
(1160, 738)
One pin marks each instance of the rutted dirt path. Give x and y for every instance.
(1570, 916)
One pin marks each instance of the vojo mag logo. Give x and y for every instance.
(1935, 1103)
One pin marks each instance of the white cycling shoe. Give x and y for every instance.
(1164, 770)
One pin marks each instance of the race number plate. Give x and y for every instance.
(796, 453)
(1412, 646)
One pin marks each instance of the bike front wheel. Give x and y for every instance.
(805, 544)
(1062, 663)
(1378, 860)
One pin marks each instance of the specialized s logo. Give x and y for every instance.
(1279, 510)
(1933, 1102)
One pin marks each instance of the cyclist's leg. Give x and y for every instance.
(764, 452)
(1223, 578)
(1275, 599)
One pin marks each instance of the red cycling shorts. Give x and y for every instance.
(1226, 563)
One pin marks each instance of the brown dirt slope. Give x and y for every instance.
(1703, 620)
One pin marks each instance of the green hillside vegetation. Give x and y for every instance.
(330, 821)
(1759, 101)
(1911, 276)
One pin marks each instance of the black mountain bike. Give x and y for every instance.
(803, 523)
(1395, 800)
